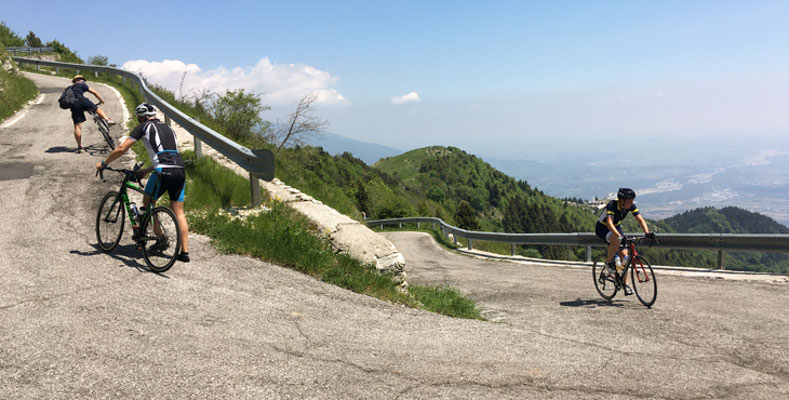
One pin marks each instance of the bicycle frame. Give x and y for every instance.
(641, 275)
(124, 198)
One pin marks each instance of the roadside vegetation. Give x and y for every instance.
(15, 89)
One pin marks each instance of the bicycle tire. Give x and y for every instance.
(110, 217)
(160, 260)
(642, 277)
(104, 128)
(604, 284)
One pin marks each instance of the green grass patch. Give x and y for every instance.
(445, 300)
(15, 90)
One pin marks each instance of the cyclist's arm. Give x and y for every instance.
(609, 222)
(642, 222)
(93, 92)
(122, 148)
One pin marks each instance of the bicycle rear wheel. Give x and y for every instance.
(643, 279)
(603, 282)
(104, 128)
(109, 221)
(161, 240)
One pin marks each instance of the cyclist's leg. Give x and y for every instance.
(176, 189)
(152, 193)
(180, 216)
(78, 133)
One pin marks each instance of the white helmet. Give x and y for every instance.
(145, 110)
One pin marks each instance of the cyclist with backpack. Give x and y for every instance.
(608, 229)
(78, 104)
(168, 167)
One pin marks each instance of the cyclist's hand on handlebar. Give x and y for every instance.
(650, 235)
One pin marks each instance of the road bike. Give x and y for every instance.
(104, 128)
(155, 229)
(642, 277)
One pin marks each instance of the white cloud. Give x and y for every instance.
(278, 84)
(406, 98)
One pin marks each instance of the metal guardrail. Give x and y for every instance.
(29, 50)
(721, 242)
(259, 163)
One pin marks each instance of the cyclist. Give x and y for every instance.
(79, 87)
(168, 166)
(609, 230)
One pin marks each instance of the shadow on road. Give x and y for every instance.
(61, 149)
(591, 303)
(92, 149)
(127, 254)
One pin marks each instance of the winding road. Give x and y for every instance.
(78, 323)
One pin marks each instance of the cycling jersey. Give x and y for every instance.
(160, 142)
(612, 209)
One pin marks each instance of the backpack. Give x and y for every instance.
(68, 98)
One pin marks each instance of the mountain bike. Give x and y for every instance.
(641, 275)
(155, 230)
(104, 128)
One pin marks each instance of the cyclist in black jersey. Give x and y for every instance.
(608, 225)
(162, 146)
(79, 87)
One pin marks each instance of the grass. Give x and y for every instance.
(15, 91)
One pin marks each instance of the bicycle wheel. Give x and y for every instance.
(161, 240)
(109, 221)
(643, 279)
(105, 131)
(603, 282)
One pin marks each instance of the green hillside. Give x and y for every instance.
(725, 220)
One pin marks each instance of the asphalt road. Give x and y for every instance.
(78, 323)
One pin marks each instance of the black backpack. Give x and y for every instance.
(68, 98)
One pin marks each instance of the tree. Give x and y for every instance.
(300, 123)
(8, 38)
(66, 55)
(466, 217)
(32, 40)
(238, 113)
(98, 60)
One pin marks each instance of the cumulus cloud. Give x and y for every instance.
(278, 84)
(412, 97)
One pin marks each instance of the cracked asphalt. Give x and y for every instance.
(78, 323)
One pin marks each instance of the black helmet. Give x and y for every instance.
(625, 194)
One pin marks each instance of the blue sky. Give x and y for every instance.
(506, 78)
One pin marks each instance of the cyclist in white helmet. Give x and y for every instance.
(168, 167)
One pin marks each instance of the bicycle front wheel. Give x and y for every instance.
(603, 282)
(104, 128)
(109, 221)
(643, 280)
(161, 240)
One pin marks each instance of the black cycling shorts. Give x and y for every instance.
(79, 108)
(602, 231)
(171, 180)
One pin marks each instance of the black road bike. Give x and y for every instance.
(155, 229)
(104, 128)
(642, 277)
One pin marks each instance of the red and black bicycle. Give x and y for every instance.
(642, 277)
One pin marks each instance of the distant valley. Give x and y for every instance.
(669, 180)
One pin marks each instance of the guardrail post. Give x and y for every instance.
(401, 225)
(57, 70)
(167, 120)
(381, 227)
(512, 249)
(588, 254)
(254, 186)
(95, 74)
(454, 236)
(469, 244)
(722, 259)
(417, 225)
(198, 144)
(38, 67)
